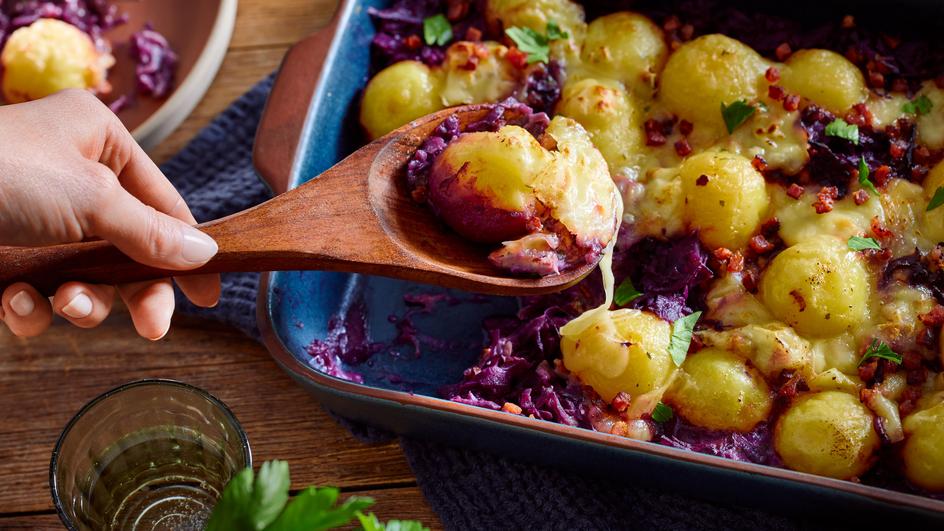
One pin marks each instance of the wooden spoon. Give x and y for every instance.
(356, 217)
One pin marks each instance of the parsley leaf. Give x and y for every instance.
(864, 181)
(626, 293)
(858, 243)
(662, 413)
(682, 337)
(369, 522)
(535, 44)
(736, 114)
(316, 509)
(937, 200)
(921, 105)
(437, 30)
(839, 128)
(878, 349)
(252, 502)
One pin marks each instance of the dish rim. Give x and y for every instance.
(303, 372)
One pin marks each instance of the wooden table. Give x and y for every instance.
(44, 381)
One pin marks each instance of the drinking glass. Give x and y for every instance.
(149, 455)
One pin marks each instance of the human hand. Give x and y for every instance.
(70, 171)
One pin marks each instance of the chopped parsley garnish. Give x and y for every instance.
(864, 181)
(839, 128)
(662, 413)
(736, 114)
(920, 105)
(437, 30)
(626, 293)
(858, 243)
(681, 337)
(878, 349)
(937, 200)
(536, 45)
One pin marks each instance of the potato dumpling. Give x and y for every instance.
(828, 433)
(607, 113)
(933, 221)
(622, 351)
(709, 71)
(931, 125)
(718, 390)
(535, 14)
(825, 78)
(628, 47)
(397, 94)
(819, 287)
(481, 185)
(772, 347)
(50, 55)
(725, 198)
(923, 452)
(477, 72)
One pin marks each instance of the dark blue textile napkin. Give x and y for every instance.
(468, 490)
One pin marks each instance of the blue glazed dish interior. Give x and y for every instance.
(303, 304)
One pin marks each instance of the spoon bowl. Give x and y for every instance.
(355, 217)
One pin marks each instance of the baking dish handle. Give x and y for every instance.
(280, 129)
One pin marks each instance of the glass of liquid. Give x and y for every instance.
(149, 455)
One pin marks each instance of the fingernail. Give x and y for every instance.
(79, 307)
(197, 248)
(22, 304)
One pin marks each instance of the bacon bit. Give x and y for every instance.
(654, 135)
(723, 254)
(900, 85)
(879, 230)
(517, 58)
(776, 92)
(921, 155)
(881, 175)
(848, 22)
(514, 409)
(868, 370)
(860, 197)
(825, 198)
(686, 32)
(759, 163)
(770, 228)
(896, 150)
(783, 51)
(683, 148)
(918, 173)
(795, 191)
(686, 127)
(456, 9)
(473, 34)
(413, 42)
(749, 280)
(736, 263)
(862, 110)
(798, 298)
(791, 103)
(621, 401)
(760, 245)
(671, 23)
(935, 258)
(772, 75)
(702, 180)
(912, 360)
(792, 387)
(876, 79)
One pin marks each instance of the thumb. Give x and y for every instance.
(146, 235)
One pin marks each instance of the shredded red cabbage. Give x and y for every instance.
(156, 62)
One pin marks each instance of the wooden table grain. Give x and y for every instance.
(44, 381)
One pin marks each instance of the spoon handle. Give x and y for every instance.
(325, 224)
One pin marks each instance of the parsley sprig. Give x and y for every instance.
(662, 413)
(437, 30)
(864, 181)
(626, 293)
(919, 106)
(681, 337)
(259, 502)
(536, 45)
(937, 200)
(879, 349)
(736, 114)
(841, 129)
(858, 243)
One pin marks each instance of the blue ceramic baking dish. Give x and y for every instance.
(310, 124)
